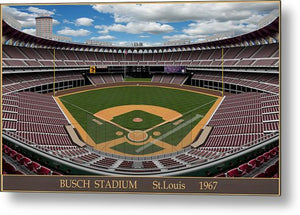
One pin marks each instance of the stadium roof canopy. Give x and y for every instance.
(266, 34)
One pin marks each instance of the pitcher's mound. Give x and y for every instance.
(137, 120)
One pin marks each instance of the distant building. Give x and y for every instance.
(98, 43)
(44, 26)
(177, 42)
(135, 44)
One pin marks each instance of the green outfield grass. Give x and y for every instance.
(193, 106)
(131, 149)
(138, 79)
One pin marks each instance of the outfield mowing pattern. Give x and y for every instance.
(192, 105)
(132, 149)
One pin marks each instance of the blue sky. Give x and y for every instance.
(148, 23)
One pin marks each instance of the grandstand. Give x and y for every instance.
(243, 131)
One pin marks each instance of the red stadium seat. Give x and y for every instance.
(9, 168)
(254, 163)
(267, 156)
(271, 171)
(13, 154)
(273, 152)
(25, 161)
(4, 148)
(7, 150)
(234, 173)
(245, 168)
(260, 159)
(33, 166)
(43, 171)
(19, 157)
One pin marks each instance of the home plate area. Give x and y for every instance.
(139, 121)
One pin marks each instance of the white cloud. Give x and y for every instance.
(215, 27)
(75, 33)
(106, 31)
(198, 31)
(183, 37)
(184, 12)
(205, 19)
(28, 23)
(105, 37)
(137, 28)
(29, 31)
(144, 36)
(55, 22)
(40, 11)
(67, 21)
(27, 19)
(84, 21)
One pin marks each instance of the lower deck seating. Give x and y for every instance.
(14, 162)
(263, 82)
(170, 163)
(18, 82)
(253, 167)
(239, 121)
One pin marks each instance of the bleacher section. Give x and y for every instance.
(105, 78)
(19, 82)
(239, 121)
(257, 56)
(261, 82)
(169, 78)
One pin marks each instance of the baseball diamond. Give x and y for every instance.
(156, 107)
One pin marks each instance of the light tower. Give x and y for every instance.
(44, 26)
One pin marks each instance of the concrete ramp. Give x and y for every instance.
(203, 136)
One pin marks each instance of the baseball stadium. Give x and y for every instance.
(207, 108)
